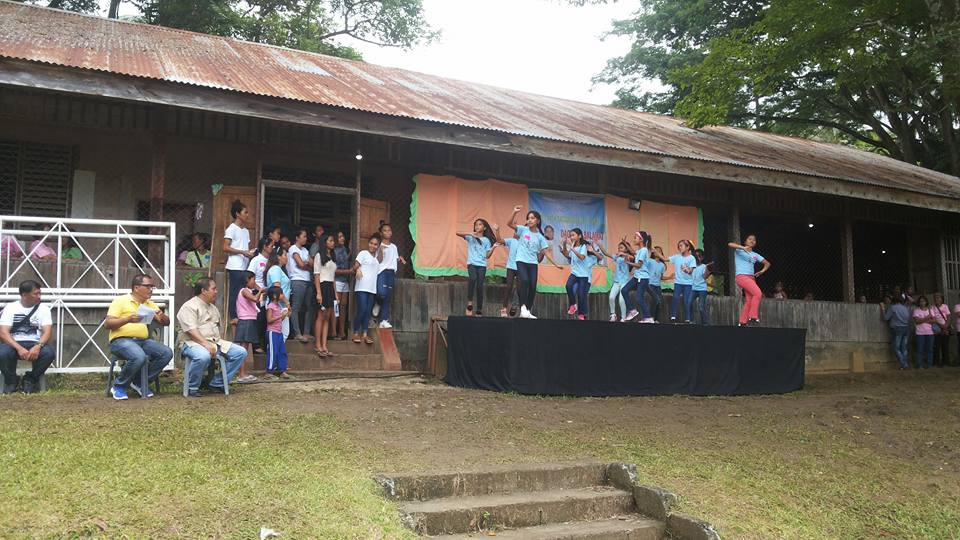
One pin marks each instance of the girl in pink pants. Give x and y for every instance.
(745, 261)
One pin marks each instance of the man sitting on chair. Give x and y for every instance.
(130, 337)
(200, 338)
(25, 330)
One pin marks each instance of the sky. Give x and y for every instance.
(541, 46)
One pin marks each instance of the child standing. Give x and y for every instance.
(276, 344)
(582, 258)
(683, 264)
(247, 333)
(699, 287)
(365, 267)
(621, 276)
(479, 247)
(387, 256)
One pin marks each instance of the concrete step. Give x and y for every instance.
(513, 510)
(312, 362)
(628, 527)
(504, 479)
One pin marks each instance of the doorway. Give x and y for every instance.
(292, 208)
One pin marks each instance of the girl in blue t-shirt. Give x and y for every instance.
(532, 248)
(656, 268)
(479, 247)
(582, 259)
(683, 264)
(640, 281)
(700, 275)
(621, 275)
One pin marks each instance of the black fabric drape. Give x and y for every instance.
(593, 358)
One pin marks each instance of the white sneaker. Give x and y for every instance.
(385, 324)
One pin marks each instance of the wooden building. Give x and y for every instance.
(115, 120)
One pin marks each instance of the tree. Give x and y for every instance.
(309, 25)
(881, 74)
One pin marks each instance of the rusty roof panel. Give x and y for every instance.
(68, 39)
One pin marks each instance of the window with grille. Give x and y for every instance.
(35, 179)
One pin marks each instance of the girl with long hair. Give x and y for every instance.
(699, 287)
(683, 264)
(745, 264)
(479, 247)
(582, 259)
(532, 249)
(640, 281)
(621, 275)
(324, 274)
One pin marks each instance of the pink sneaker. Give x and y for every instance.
(572, 309)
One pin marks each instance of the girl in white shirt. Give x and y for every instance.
(387, 274)
(365, 287)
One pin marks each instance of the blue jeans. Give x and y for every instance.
(900, 338)
(578, 289)
(385, 282)
(925, 351)
(642, 286)
(685, 291)
(200, 359)
(701, 298)
(135, 352)
(364, 307)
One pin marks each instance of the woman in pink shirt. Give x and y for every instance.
(941, 339)
(925, 317)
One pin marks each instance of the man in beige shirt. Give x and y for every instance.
(200, 338)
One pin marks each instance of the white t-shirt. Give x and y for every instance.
(368, 271)
(390, 255)
(14, 312)
(258, 265)
(239, 239)
(295, 272)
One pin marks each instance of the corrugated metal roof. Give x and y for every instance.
(67, 39)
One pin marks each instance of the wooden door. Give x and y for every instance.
(221, 219)
(372, 213)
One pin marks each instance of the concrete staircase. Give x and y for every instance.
(583, 501)
(350, 357)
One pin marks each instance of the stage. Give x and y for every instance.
(594, 358)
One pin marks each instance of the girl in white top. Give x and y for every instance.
(324, 273)
(365, 287)
(387, 272)
(236, 245)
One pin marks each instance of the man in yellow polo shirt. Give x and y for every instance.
(130, 337)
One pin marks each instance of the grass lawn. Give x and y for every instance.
(849, 457)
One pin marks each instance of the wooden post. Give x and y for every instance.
(734, 234)
(158, 174)
(846, 263)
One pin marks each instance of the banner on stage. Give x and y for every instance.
(443, 205)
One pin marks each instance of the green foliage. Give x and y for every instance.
(882, 74)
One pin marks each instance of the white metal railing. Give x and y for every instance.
(107, 247)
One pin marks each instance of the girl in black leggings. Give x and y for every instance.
(479, 247)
